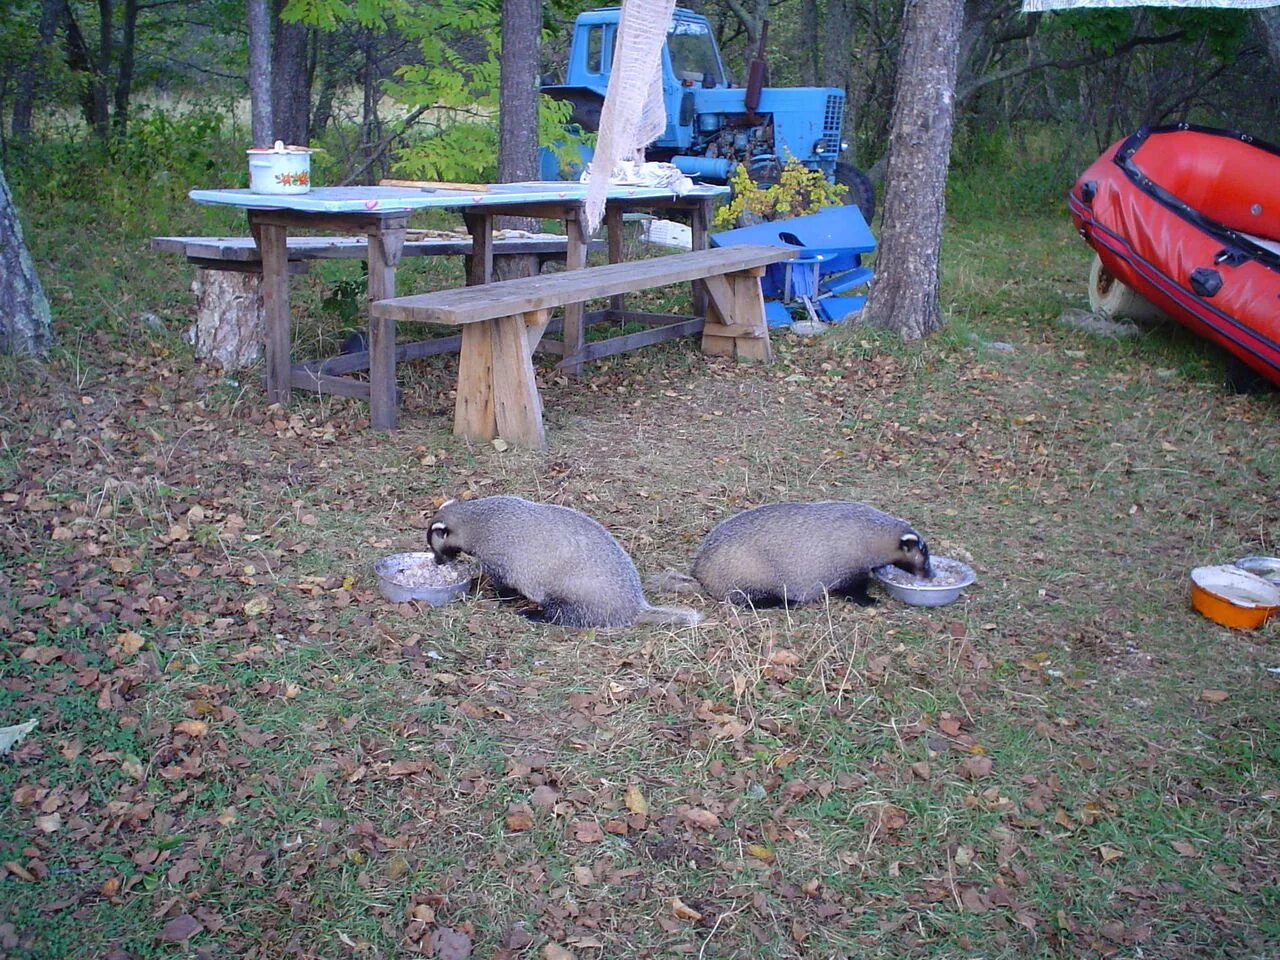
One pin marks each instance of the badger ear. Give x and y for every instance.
(449, 501)
(439, 530)
(909, 541)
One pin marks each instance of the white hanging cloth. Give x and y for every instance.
(633, 115)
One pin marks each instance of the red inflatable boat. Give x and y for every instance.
(1189, 217)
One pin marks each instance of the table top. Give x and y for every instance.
(399, 199)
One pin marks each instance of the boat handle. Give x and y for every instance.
(1206, 281)
(1231, 257)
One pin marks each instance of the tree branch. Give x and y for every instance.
(1132, 44)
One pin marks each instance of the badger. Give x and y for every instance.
(560, 559)
(790, 553)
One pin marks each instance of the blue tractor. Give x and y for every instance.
(712, 125)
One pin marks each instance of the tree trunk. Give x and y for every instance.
(290, 82)
(259, 19)
(29, 78)
(124, 72)
(102, 71)
(1269, 19)
(25, 321)
(518, 98)
(905, 294)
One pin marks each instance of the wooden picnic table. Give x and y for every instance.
(381, 213)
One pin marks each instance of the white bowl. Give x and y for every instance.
(417, 576)
(949, 578)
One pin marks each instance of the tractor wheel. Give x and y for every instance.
(860, 193)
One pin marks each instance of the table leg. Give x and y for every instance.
(575, 228)
(386, 240)
(699, 220)
(613, 223)
(480, 263)
(272, 240)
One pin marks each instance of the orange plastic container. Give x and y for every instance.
(1233, 597)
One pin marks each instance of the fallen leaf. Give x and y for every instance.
(181, 870)
(1213, 696)
(130, 642)
(635, 800)
(683, 911)
(180, 928)
(519, 817)
(553, 951)
(50, 822)
(785, 658)
(975, 767)
(921, 769)
(19, 871)
(1186, 848)
(256, 606)
(448, 943)
(760, 852)
(964, 856)
(545, 797)
(587, 831)
(703, 819)
(1107, 853)
(192, 728)
(971, 899)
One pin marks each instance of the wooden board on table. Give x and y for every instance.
(437, 185)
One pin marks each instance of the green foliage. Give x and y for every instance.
(798, 191)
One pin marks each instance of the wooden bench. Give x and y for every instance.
(502, 323)
(227, 287)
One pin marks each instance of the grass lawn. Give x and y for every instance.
(243, 751)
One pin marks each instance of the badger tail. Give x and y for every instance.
(669, 581)
(669, 616)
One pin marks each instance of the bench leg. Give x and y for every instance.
(749, 301)
(497, 391)
(736, 324)
(516, 404)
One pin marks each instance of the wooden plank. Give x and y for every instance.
(630, 341)
(303, 379)
(355, 362)
(337, 222)
(718, 299)
(517, 408)
(574, 286)
(480, 263)
(721, 330)
(473, 410)
(437, 185)
(230, 250)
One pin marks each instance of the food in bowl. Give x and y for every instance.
(1233, 597)
(417, 576)
(949, 578)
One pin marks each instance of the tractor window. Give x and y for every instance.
(693, 54)
(595, 49)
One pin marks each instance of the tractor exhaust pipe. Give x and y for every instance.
(757, 73)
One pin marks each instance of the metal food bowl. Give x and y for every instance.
(949, 578)
(1268, 568)
(416, 576)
